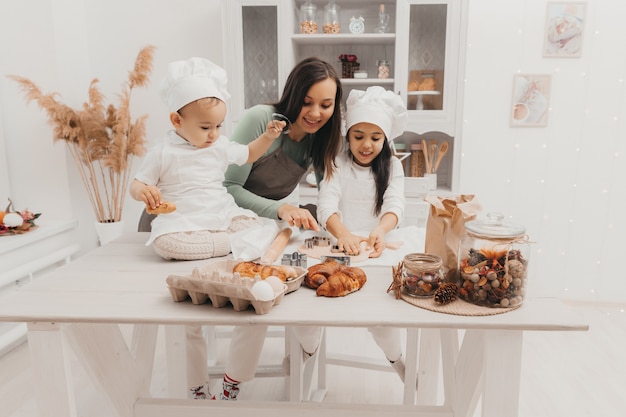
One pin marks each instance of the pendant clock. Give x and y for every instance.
(357, 25)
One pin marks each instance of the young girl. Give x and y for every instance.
(364, 199)
(187, 169)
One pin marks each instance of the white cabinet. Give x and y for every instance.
(423, 44)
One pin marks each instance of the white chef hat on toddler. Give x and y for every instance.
(192, 79)
(378, 106)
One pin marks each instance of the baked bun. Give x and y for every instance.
(332, 279)
(413, 85)
(252, 269)
(427, 84)
(163, 208)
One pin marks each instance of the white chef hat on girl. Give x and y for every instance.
(192, 79)
(378, 106)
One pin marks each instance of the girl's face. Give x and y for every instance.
(200, 122)
(366, 141)
(317, 109)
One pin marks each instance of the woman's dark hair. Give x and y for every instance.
(328, 139)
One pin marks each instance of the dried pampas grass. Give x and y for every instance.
(102, 139)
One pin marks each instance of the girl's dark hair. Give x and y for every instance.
(381, 168)
(327, 141)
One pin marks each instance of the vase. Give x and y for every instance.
(348, 68)
(108, 231)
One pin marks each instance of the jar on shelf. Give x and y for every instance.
(384, 68)
(422, 274)
(493, 262)
(331, 18)
(308, 19)
(417, 162)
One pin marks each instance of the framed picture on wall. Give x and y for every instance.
(564, 29)
(531, 100)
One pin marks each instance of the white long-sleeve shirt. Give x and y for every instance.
(351, 191)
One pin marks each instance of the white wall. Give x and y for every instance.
(565, 182)
(561, 181)
(62, 45)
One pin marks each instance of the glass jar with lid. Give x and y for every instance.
(493, 262)
(422, 274)
(331, 18)
(308, 19)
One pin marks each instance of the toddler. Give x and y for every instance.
(187, 169)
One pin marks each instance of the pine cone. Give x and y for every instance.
(446, 293)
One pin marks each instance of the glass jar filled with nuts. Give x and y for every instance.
(422, 274)
(493, 262)
(331, 18)
(384, 68)
(308, 19)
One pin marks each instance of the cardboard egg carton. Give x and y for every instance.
(217, 283)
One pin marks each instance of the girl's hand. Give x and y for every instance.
(350, 244)
(377, 242)
(298, 217)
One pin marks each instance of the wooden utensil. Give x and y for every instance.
(426, 156)
(443, 149)
(277, 246)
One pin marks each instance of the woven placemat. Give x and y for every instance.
(457, 307)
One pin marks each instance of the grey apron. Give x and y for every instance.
(274, 176)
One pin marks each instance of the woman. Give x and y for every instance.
(311, 100)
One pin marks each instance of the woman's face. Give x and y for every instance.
(366, 141)
(317, 109)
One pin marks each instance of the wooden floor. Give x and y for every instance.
(574, 374)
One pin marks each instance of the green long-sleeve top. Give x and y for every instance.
(251, 126)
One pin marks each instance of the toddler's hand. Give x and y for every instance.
(274, 128)
(151, 196)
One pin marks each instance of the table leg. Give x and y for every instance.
(53, 383)
(108, 360)
(428, 372)
(502, 373)
(176, 358)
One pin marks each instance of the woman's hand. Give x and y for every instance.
(377, 242)
(298, 217)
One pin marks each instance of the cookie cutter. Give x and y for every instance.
(316, 241)
(345, 260)
(294, 259)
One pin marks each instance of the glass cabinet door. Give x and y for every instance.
(260, 60)
(428, 61)
(427, 56)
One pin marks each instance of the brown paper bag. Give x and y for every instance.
(446, 226)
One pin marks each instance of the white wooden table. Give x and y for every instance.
(81, 305)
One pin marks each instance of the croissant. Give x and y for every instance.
(332, 279)
(163, 208)
(252, 269)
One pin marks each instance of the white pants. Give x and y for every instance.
(244, 353)
(388, 339)
(247, 344)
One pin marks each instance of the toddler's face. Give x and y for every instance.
(366, 141)
(200, 122)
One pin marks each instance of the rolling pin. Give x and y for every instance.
(277, 246)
